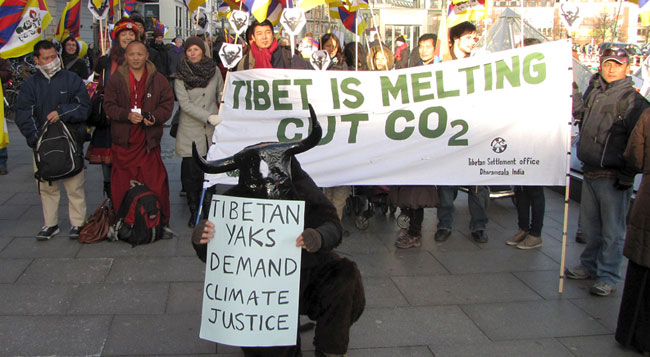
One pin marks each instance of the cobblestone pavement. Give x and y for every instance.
(456, 298)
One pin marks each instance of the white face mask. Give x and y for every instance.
(50, 69)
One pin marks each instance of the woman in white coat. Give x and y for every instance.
(198, 89)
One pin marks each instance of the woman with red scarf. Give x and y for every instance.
(138, 101)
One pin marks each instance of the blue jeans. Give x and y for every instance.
(603, 209)
(477, 199)
(3, 158)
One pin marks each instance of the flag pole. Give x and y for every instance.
(566, 206)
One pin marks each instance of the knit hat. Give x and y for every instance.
(194, 40)
(158, 33)
(124, 24)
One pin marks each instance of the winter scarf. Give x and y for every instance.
(263, 57)
(196, 75)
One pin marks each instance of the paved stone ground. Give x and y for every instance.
(457, 298)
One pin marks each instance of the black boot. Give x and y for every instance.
(193, 203)
(107, 189)
(192, 222)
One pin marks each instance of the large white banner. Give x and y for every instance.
(252, 272)
(495, 119)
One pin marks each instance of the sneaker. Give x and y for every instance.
(182, 193)
(517, 238)
(577, 273)
(3, 171)
(579, 238)
(408, 241)
(47, 233)
(531, 242)
(442, 235)
(601, 289)
(74, 232)
(480, 237)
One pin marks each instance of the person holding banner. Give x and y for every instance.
(198, 88)
(265, 53)
(612, 108)
(380, 58)
(414, 199)
(463, 39)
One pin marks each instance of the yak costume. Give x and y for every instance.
(331, 289)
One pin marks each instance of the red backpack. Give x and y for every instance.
(139, 217)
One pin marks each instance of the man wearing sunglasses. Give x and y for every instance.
(611, 109)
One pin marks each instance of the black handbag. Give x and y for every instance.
(97, 116)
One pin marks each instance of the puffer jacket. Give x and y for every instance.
(606, 125)
(196, 105)
(39, 96)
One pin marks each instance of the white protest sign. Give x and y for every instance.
(252, 272)
(570, 15)
(293, 20)
(320, 60)
(497, 119)
(230, 54)
(238, 21)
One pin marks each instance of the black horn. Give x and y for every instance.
(213, 167)
(312, 139)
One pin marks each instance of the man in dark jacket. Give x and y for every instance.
(161, 61)
(265, 53)
(611, 109)
(54, 94)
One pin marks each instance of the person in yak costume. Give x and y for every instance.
(331, 289)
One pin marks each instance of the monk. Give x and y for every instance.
(138, 101)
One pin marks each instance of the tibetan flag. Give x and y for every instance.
(355, 5)
(265, 9)
(350, 19)
(34, 18)
(224, 9)
(129, 5)
(466, 10)
(4, 135)
(70, 20)
(310, 4)
(159, 26)
(112, 10)
(192, 5)
(11, 12)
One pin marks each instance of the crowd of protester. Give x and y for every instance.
(139, 80)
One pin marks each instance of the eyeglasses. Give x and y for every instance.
(614, 52)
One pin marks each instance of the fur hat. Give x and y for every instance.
(194, 40)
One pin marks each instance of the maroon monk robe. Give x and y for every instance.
(135, 162)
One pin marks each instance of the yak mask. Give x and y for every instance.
(274, 184)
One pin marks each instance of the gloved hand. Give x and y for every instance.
(622, 184)
(214, 119)
(312, 240)
(197, 233)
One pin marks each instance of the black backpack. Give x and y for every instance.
(57, 154)
(139, 218)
